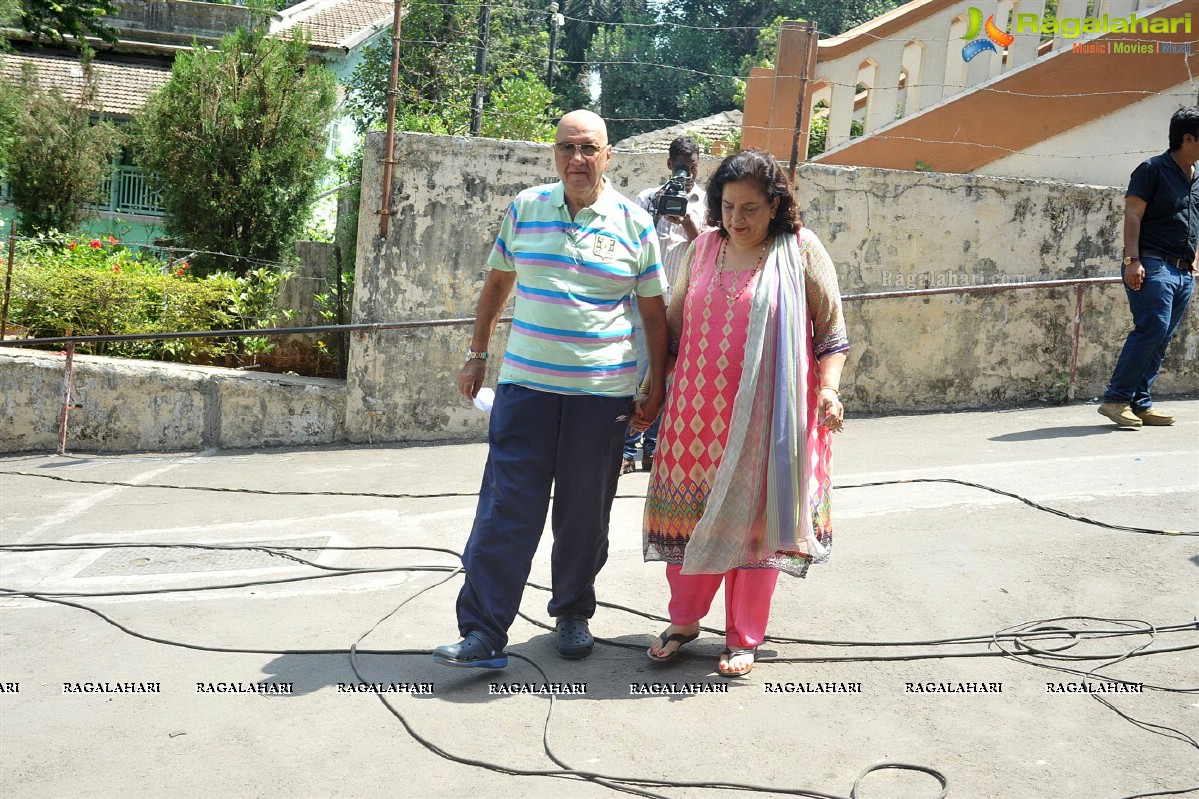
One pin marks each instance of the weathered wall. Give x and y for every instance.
(886, 230)
(125, 406)
(449, 194)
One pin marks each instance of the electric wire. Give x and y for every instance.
(445, 494)
(1045, 627)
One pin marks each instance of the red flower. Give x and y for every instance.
(116, 269)
(178, 273)
(111, 240)
(94, 244)
(184, 265)
(70, 245)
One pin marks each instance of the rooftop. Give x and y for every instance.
(718, 127)
(122, 88)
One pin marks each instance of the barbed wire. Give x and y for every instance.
(536, 64)
(847, 34)
(825, 36)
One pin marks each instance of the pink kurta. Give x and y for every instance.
(699, 408)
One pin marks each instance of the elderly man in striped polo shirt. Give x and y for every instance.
(575, 251)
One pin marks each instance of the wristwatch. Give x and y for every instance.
(476, 355)
(1128, 259)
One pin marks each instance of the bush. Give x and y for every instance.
(57, 158)
(64, 287)
(235, 143)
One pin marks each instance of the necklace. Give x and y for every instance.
(732, 295)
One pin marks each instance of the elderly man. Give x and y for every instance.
(1161, 237)
(575, 251)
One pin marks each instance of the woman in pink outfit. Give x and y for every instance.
(741, 480)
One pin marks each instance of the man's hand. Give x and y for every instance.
(471, 378)
(1134, 275)
(646, 408)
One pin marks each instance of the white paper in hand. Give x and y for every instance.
(484, 399)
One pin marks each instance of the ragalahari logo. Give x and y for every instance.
(995, 35)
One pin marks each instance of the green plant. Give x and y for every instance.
(79, 286)
(235, 142)
(57, 156)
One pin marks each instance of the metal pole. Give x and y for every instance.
(549, 70)
(476, 107)
(12, 243)
(1074, 347)
(389, 147)
(343, 338)
(65, 414)
(801, 107)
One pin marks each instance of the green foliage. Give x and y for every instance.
(57, 157)
(98, 287)
(818, 137)
(436, 76)
(78, 286)
(55, 20)
(235, 142)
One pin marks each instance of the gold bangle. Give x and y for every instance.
(830, 388)
(643, 389)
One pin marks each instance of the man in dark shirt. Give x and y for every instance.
(1161, 239)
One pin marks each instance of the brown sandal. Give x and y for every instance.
(665, 639)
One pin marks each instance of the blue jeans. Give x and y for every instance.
(1157, 310)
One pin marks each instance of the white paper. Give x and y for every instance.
(484, 399)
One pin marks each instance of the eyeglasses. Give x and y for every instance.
(588, 150)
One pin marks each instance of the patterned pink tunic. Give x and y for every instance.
(699, 407)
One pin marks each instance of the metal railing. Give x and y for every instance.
(1078, 284)
(128, 192)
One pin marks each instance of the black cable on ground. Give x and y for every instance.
(381, 495)
(1035, 629)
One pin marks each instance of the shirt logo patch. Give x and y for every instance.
(604, 248)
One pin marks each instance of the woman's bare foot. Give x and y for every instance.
(664, 648)
(736, 662)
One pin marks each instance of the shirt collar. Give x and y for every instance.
(606, 204)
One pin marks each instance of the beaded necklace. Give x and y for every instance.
(749, 278)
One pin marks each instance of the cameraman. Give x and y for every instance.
(675, 234)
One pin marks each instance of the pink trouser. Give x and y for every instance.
(747, 594)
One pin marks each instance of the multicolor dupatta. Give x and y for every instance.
(774, 474)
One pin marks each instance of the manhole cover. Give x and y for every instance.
(125, 562)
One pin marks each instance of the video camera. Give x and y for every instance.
(672, 200)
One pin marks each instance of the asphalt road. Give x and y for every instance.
(88, 709)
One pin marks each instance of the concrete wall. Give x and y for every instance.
(449, 194)
(885, 230)
(125, 405)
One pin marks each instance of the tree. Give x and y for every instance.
(57, 19)
(57, 156)
(437, 79)
(235, 142)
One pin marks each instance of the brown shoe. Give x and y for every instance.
(1120, 413)
(1154, 418)
(628, 465)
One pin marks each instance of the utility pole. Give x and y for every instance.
(476, 109)
(806, 33)
(556, 19)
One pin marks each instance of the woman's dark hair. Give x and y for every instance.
(763, 170)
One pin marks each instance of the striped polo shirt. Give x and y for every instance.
(572, 329)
